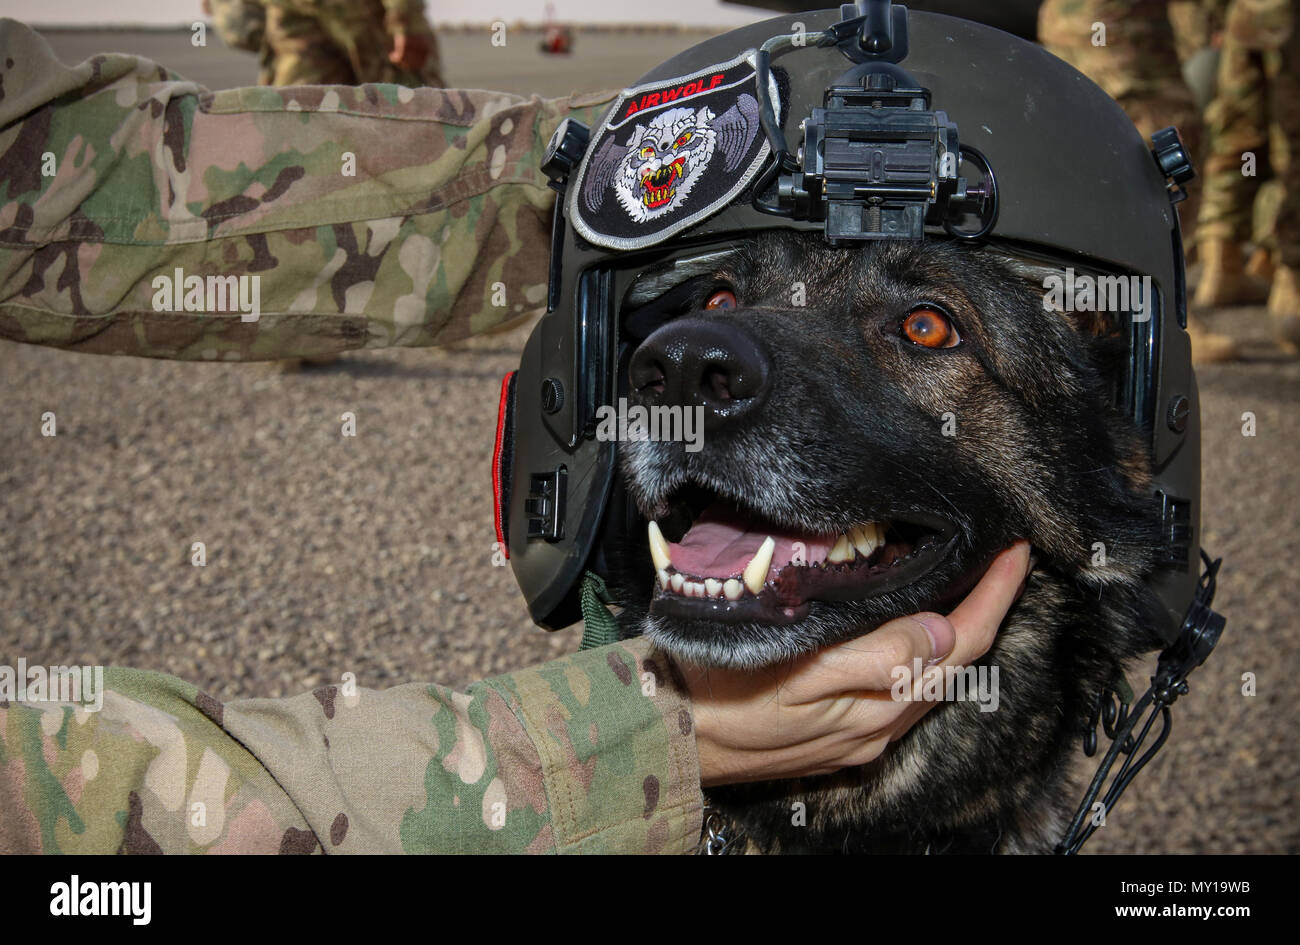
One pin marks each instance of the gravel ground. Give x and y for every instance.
(372, 554)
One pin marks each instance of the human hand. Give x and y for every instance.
(409, 51)
(832, 709)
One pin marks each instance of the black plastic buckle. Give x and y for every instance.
(547, 494)
(1173, 161)
(1175, 530)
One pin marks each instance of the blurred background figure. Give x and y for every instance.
(557, 38)
(351, 42)
(1253, 126)
(1130, 48)
(1198, 27)
(332, 42)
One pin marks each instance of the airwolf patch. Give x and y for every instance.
(669, 154)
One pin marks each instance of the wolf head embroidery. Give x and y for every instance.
(654, 171)
(664, 161)
(669, 155)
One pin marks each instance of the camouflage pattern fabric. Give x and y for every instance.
(593, 753)
(1268, 204)
(1198, 34)
(346, 42)
(1194, 24)
(1257, 110)
(1137, 65)
(372, 216)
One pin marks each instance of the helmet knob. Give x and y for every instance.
(1171, 157)
(563, 152)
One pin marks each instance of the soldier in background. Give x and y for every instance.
(325, 42)
(1256, 111)
(352, 42)
(1198, 29)
(1130, 49)
(1135, 60)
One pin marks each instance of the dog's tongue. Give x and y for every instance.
(721, 543)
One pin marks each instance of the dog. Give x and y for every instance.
(880, 421)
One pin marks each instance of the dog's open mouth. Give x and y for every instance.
(729, 564)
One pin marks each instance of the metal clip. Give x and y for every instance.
(715, 829)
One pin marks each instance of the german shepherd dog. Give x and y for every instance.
(879, 422)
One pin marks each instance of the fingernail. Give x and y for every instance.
(942, 636)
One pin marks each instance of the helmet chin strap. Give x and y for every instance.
(598, 624)
(1201, 630)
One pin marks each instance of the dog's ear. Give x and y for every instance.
(1104, 333)
(1039, 276)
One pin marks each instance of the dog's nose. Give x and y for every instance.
(693, 362)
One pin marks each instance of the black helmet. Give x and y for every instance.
(869, 123)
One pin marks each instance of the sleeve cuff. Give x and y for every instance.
(616, 738)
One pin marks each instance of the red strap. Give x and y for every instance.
(496, 460)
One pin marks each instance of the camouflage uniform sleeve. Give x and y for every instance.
(138, 207)
(592, 753)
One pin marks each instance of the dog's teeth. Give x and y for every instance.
(733, 589)
(677, 582)
(842, 551)
(663, 579)
(755, 575)
(866, 538)
(713, 588)
(659, 548)
(694, 589)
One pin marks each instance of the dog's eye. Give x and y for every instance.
(722, 298)
(930, 328)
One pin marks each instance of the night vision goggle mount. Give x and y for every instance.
(876, 162)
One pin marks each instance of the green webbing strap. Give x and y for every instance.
(599, 626)
(1123, 689)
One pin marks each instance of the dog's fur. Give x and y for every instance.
(852, 431)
